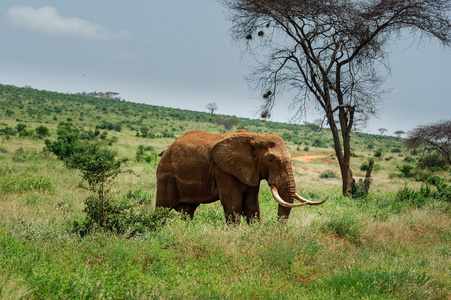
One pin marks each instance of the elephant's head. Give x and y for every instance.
(252, 157)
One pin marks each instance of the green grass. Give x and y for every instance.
(392, 244)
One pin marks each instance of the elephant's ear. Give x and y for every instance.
(235, 155)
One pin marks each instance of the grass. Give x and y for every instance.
(393, 244)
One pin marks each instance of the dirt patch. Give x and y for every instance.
(308, 158)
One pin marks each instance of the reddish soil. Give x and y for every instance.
(307, 158)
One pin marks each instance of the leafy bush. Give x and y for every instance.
(120, 216)
(365, 165)
(409, 159)
(432, 161)
(379, 152)
(328, 174)
(406, 170)
(8, 131)
(416, 198)
(42, 131)
(141, 155)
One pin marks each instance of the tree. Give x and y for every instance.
(331, 53)
(382, 131)
(398, 133)
(437, 136)
(211, 107)
(228, 123)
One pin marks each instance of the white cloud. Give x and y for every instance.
(47, 20)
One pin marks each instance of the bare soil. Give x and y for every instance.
(307, 158)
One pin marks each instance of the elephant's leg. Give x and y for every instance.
(251, 207)
(167, 195)
(187, 208)
(231, 196)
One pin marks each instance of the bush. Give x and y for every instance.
(406, 170)
(42, 131)
(433, 161)
(8, 131)
(328, 174)
(409, 159)
(379, 152)
(365, 165)
(141, 155)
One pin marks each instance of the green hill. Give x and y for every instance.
(29, 105)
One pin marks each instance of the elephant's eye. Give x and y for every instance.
(271, 160)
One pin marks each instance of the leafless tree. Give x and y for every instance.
(331, 53)
(437, 136)
(212, 107)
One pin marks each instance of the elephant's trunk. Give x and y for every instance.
(288, 191)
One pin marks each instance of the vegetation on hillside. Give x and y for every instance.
(392, 243)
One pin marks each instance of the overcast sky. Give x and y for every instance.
(179, 54)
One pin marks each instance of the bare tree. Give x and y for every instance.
(211, 107)
(331, 53)
(437, 136)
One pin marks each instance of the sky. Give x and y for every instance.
(180, 54)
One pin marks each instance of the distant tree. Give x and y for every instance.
(211, 107)
(399, 133)
(382, 131)
(436, 136)
(330, 54)
(228, 123)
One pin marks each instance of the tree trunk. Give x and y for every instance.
(343, 157)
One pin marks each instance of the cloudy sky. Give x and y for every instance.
(179, 54)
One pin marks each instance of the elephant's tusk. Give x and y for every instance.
(305, 201)
(279, 200)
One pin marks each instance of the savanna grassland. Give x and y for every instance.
(394, 243)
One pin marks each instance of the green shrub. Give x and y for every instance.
(42, 131)
(409, 159)
(8, 131)
(379, 152)
(432, 161)
(416, 198)
(365, 165)
(328, 174)
(406, 170)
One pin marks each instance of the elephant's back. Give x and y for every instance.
(196, 142)
(189, 151)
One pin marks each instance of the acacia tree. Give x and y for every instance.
(437, 136)
(330, 53)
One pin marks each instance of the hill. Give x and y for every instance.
(35, 106)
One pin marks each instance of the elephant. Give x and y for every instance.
(201, 167)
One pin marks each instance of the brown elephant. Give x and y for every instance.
(200, 167)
